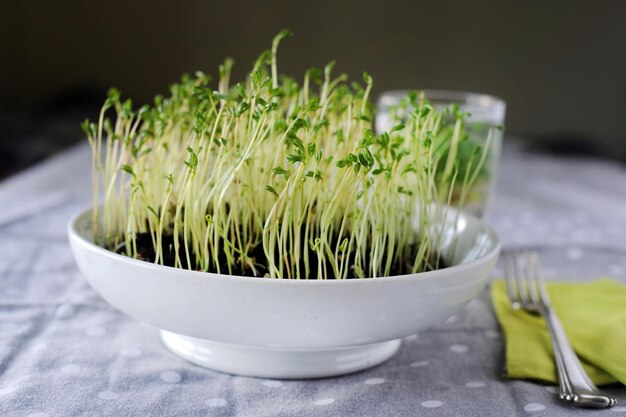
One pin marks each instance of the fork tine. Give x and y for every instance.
(532, 273)
(511, 282)
(538, 278)
(521, 277)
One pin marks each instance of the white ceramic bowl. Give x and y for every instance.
(280, 328)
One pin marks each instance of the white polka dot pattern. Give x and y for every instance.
(552, 389)
(374, 381)
(493, 334)
(108, 395)
(216, 402)
(616, 270)
(170, 377)
(325, 401)
(534, 407)
(574, 254)
(459, 348)
(70, 369)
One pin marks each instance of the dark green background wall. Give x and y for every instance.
(560, 65)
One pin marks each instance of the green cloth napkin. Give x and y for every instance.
(594, 317)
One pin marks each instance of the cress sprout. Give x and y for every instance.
(274, 178)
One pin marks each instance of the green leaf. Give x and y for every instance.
(296, 141)
(192, 162)
(408, 168)
(113, 97)
(281, 171)
(428, 140)
(153, 211)
(344, 245)
(271, 190)
(313, 105)
(226, 66)
(263, 59)
(127, 107)
(319, 125)
(403, 190)
(271, 107)
(299, 123)
(367, 157)
(329, 68)
(293, 158)
(397, 128)
(241, 90)
(315, 74)
(107, 126)
(285, 33)
(127, 168)
(362, 159)
(85, 126)
(277, 92)
(340, 135)
(218, 96)
(243, 106)
(256, 78)
(383, 140)
(368, 139)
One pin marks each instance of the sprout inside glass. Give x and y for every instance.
(482, 113)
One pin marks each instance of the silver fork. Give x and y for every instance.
(527, 291)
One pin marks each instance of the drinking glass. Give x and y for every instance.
(485, 112)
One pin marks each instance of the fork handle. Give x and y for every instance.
(573, 377)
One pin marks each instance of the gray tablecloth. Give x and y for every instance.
(65, 352)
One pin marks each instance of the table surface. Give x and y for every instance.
(66, 352)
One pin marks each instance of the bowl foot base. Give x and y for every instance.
(282, 363)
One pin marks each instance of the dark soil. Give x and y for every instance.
(146, 252)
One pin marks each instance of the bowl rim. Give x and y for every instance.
(74, 234)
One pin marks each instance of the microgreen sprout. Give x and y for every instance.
(269, 177)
